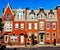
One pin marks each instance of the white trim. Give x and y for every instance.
(47, 37)
(5, 37)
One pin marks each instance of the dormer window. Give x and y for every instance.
(20, 15)
(31, 16)
(51, 14)
(8, 16)
(41, 14)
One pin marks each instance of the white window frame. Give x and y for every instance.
(35, 25)
(46, 26)
(16, 26)
(22, 25)
(52, 26)
(48, 36)
(13, 37)
(29, 26)
(41, 27)
(32, 16)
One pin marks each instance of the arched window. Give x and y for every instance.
(8, 16)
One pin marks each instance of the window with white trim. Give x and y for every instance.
(8, 16)
(53, 26)
(13, 38)
(48, 36)
(47, 25)
(53, 35)
(41, 25)
(31, 16)
(22, 25)
(35, 25)
(16, 26)
(20, 14)
(29, 25)
(8, 26)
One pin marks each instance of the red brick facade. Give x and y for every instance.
(22, 34)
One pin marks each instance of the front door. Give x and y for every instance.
(41, 39)
(6, 38)
(22, 38)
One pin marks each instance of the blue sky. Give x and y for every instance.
(32, 4)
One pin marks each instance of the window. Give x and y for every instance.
(53, 35)
(54, 26)
(35, 25)
(51, 15)
(29, 35)
(31, 16)
(20, 14)
(47, 36)
(8, 26)
(16, 26)
(35, 36)
(8, 16)
(47, 25)
(41, 25)
(29, 26)
(22, 25)
(13, 38)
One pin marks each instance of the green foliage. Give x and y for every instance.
(1, 25)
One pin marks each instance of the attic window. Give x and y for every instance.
(8, 16)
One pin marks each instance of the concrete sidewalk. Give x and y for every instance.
(30, 46)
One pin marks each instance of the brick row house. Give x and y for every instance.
(21, 24)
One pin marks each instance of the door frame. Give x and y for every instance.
(5, 37)
(40, 39)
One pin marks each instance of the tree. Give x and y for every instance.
(32, 38)
(1, 26)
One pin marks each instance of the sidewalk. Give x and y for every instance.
(30, 46)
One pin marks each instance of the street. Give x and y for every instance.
(38, 48)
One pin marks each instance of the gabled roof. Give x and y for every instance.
(6, 9)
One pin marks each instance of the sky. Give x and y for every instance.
(32, 4)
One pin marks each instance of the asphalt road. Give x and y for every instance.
(39, 48)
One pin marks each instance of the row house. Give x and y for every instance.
(21, 24)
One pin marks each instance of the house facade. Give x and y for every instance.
(21, 24)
